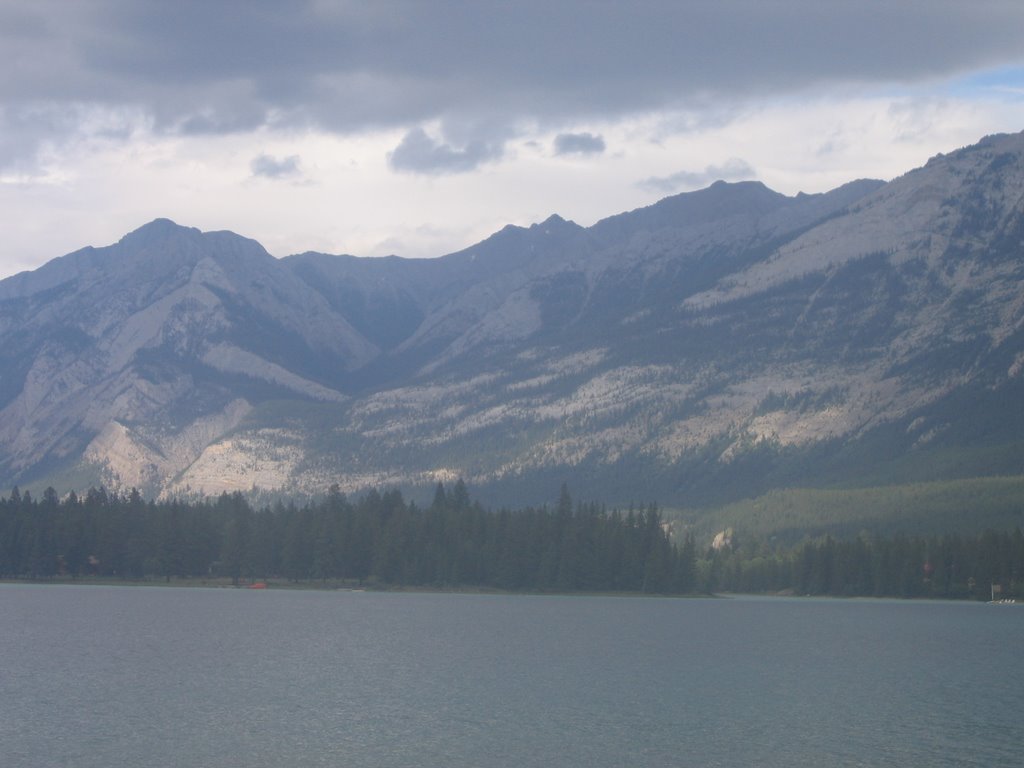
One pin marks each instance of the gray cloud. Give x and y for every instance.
(419, 153)
(578, 144)
(237, 65)
(274, 168)
(734, 169)
(26, 128)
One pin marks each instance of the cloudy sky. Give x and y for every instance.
(420, 127)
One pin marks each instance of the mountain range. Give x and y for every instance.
(707, 348)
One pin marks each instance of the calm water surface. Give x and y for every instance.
(118, 676)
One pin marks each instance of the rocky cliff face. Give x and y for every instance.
(714, 344)
(136, 356)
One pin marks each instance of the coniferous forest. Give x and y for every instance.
(379, 540)
(955, 566)
(382, 540)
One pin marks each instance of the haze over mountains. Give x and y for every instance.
(711, 346)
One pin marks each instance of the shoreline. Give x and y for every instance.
(279, 585)
(283, 585)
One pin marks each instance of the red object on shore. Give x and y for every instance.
(258, 585)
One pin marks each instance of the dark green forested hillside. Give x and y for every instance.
(966, 506)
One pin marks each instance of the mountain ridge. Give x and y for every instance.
(712, 345)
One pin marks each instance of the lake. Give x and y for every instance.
(153, 676)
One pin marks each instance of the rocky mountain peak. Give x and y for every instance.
(162, 242)
(555, 223)
(157, 232)
(719, 202)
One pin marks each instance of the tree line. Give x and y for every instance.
(377, 539)
(955, 566)
(381, 539)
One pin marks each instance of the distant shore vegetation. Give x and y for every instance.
(377, 540)
(381, 540)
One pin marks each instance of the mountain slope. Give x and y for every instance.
(137, 355)
(709, 347)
